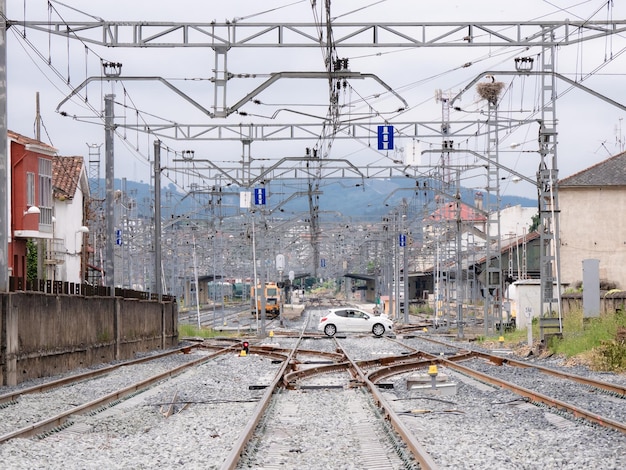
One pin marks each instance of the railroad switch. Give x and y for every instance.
(502, 349)
(432, 383)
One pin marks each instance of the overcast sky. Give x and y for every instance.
(590, 129)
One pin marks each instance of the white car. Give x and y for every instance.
(344, 320)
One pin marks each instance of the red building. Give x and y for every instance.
(30, 197)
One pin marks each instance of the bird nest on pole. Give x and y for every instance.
(490, 91)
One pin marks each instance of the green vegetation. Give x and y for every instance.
(186, 331)
(536, 222)
(31, 260)
(103, 337)
(598, 342)
(421, 309)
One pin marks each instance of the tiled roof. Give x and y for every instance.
(611, 172)
(66, 176)
(449, 212)
(22, 139)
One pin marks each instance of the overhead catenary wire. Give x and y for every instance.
(352, 112)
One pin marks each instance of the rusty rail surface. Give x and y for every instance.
(417, 450)
(534, 396)
(606, 386)
(62, 418)
(14, 395)
(234, 456)
(500, 360)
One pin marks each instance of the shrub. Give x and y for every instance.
(611, 355)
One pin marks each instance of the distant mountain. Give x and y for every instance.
(356, 199)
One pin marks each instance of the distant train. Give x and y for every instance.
(220, 290)
(272, 294)
(242, 290)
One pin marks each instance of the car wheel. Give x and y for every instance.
(378, 329)
(330, 330)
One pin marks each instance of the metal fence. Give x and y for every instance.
(46, 286)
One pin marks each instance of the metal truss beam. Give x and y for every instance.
(142, 34)
(298, 168)
(309, 131)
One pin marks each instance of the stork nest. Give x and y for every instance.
(490, 91)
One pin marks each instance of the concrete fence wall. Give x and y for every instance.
(46, 334)
(609, 302)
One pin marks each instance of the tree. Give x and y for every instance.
(536, 221)
(31, 260)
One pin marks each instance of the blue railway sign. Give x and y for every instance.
(385, 137)
(259, 196)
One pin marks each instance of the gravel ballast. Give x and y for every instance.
(478, 427)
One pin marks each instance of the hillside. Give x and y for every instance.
(337, 197)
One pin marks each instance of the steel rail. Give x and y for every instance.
(533, 396)
(301, 352)
(14, 395)
(275, 354)
(391, 370)
(407, 362)
(385, 362)
(417, 450)
(600, 384)
(290, 378)
(499, 360)
(231, 461)
(63, 418)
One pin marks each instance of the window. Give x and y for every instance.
(30, 189)
(45, 191)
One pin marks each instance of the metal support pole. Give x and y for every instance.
(262, 276)
(109, 132)
(493, 256)
(405, 262)
(547, 177)
(396, 267)
(254, 278)
(195, 278)
(157, 219)
(4, 156)
(459, 259)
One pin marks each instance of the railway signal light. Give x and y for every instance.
(245, 349)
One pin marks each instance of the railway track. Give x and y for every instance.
(370, 373)
(373, 436)
(559, 390)
(308, 401)
(27, 412)
(236, 317)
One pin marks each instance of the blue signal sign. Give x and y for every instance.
(259, 196)
(385, 137)
(402, 239)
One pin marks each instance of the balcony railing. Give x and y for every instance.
(55, 254)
